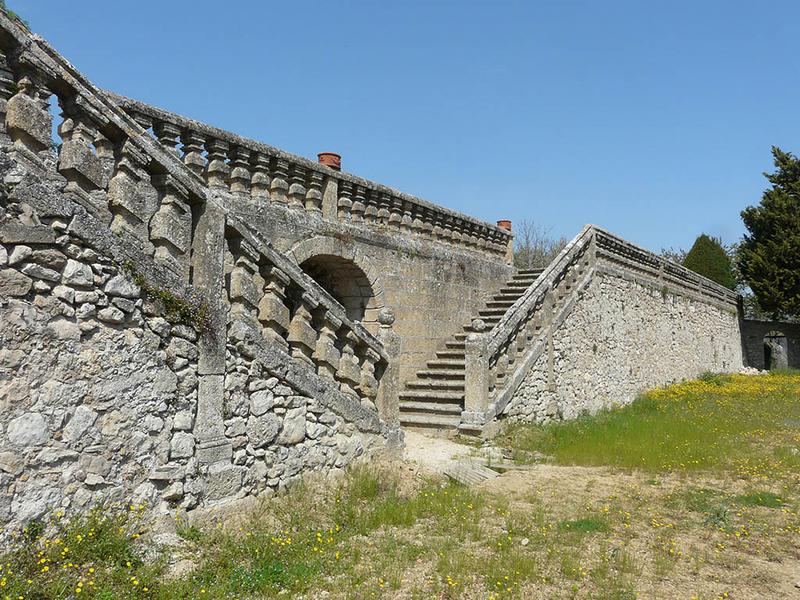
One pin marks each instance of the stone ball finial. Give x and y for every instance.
(386, 317)
(478, 325)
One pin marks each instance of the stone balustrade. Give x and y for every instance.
(148, 193)
(497, 360)
(271, 297)
(263, 173)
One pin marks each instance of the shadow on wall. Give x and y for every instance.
(771, 344)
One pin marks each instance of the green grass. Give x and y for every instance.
(767, 499)
(728, 423)
(585, 525)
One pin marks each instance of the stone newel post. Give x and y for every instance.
(387, 399)
(476, 375)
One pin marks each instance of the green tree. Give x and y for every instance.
(709, 259)
(769, 255)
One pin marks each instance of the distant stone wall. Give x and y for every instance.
(623, 337)
(753, 333)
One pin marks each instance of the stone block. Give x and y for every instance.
(77, 274)
(294, 427)
(13, 283)
(123, 286)
(40, 272)
(260, 402)
(182, 445)
(14, 232)
(83, 418)
(29, 429)
(223, 481)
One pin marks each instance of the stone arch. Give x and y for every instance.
(345, 273)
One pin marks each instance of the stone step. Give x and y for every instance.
(468, 473)
(454, 354)
(446, 396)
(455, 344)
(430, 420)
(491, 312)
(504, 304)
(447, 363)
(436, 384)
(411, 406)
(440, 374)
(535, 272)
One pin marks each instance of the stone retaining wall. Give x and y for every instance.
(622, 337)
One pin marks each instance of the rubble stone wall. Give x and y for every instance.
(99, 381)
(621, 338)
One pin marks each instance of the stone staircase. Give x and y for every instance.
(434, 399)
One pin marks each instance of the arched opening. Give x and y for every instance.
(776, 351)
(345, 281)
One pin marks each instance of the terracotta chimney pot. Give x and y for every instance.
(330, 159)
(504, 224)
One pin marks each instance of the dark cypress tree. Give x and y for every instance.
(769, 255)
(709, 259)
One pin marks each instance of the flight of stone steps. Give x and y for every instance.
(434, 399)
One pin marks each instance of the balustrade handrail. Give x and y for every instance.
(512, 318)
(491, 234)
(33, 57)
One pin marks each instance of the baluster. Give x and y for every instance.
(368, 384)
(371, 209)
(348, 374)
(359, 204)
(437, 230)
(259, 186)
(314, 193)
(171, 226)
(279, 185)
(396, 213)
(28, 122)
(502, 368)
(272, 309)
(105, 153)
(418, 225)
(131, 197)
(326, 355)
(193, 144)
(428, 222)
(345, 203)
(6, 84)
(217, 170)
(481, 235)
(240, 172)
(78, 162)
(406, 222)
(383, 208)
(297, 192)
(167, 134)
(302, 336)
(246, 284)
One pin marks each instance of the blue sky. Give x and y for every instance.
(653, 119)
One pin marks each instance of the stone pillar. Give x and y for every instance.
(131, 196)
(388, 389)
(28, 122)
(209, 277)
(330, 198)
(279, 186)
(240, 174)
(297, 191)
(367, 384)
(476, 375)
(344, 204)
